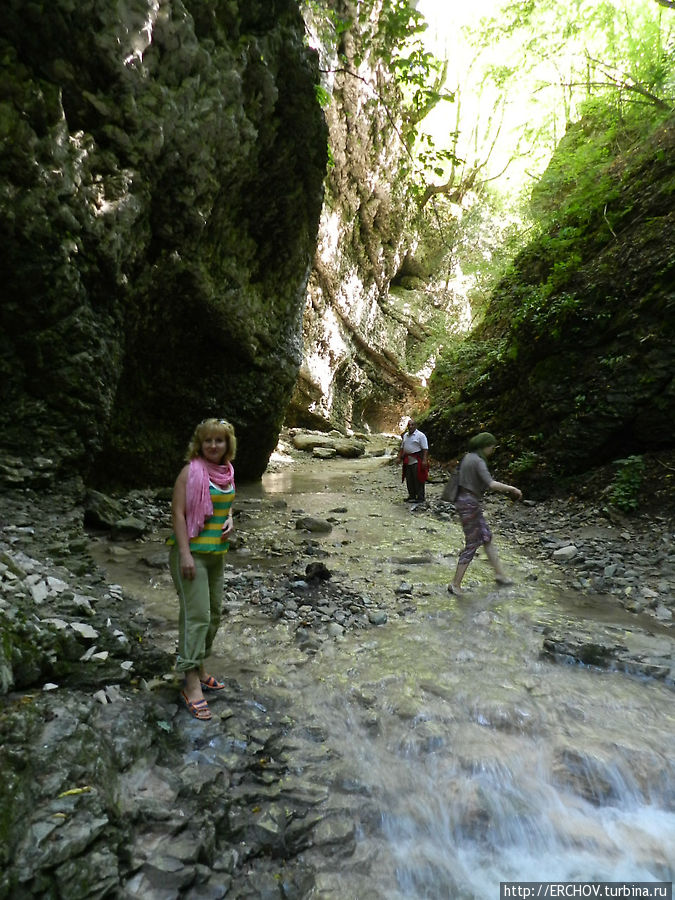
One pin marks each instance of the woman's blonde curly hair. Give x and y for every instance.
(210, 427)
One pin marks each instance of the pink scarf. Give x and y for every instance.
(198, 505)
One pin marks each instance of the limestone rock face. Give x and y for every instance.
(355, 370)
(160, 184)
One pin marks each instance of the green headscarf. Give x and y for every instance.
(478, 443)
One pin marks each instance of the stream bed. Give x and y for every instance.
(448, 754)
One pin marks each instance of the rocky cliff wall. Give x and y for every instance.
(359, 343)
(573, 364)
(161, 180)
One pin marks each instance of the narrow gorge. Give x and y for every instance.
(240, 209)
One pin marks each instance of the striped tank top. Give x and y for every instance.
(209, 539)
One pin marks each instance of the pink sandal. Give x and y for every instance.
(198, 709)
(212, 684)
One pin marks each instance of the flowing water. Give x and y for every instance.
(449, 755)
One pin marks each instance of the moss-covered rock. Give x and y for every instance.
(160, 184)
(573, 364)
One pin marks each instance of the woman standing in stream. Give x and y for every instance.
(201, 511)
(474, 480)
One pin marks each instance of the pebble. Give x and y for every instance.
(567, 552)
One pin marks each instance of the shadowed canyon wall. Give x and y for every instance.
(161, 182)
(573, 364)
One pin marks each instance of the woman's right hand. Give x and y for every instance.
(187, 566)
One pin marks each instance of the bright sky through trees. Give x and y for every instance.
(520, 71)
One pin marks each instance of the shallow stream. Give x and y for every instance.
(450, 755)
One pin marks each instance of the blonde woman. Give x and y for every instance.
(201, 512)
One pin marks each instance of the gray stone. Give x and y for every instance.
(158, 560)
(85, 631)
(564, 553)
(318, 526)
(39, 592)
(128, 528)
(324, 452)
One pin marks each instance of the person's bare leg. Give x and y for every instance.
(193, 688)
(500, 576)
(455, 587)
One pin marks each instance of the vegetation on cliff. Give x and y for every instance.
(571, 358)
(573, 361)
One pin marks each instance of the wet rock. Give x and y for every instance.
(309, 523)
(144, 758)
(338, 832)
(128, 528)
(638, 654)
(102, 871)
(101, 511)
(586, 774)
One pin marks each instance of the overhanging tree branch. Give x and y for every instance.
(628, 83)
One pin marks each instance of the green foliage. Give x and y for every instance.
(465, 369)
(625, 488)
(532, 69)
(523, 463)
(322, 96)
(406, 79)
(577, 175)
(580, 205)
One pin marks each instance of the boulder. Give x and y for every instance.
(101, 511)
(173, 176)
(129, 527)
(318, 526)
(318, 443)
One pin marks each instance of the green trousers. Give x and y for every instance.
(200, 601)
